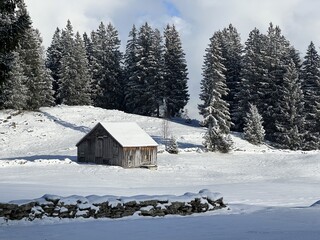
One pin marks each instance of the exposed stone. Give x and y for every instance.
(54, 206)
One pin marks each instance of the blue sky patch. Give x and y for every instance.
(172, 10)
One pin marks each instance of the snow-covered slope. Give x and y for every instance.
(38, 153)
(55, 131)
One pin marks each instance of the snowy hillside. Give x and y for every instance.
(268, 191)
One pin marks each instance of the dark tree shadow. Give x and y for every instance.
(187, 122)
(182, 145)
(63, 123)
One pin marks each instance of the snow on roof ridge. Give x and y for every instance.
(129, 134)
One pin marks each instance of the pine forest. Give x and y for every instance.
(263, 88)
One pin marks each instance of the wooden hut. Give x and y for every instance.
(120, 144)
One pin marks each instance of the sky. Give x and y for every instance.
(196, 21)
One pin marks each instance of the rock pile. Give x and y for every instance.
(111, 206)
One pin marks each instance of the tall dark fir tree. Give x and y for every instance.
(53, 62)
(253, 74)
(232, 53)
(310, 76)
(289, 113)
(156, 86)
(276, 59)
(130, 67)
(39, 80)
(74, 86)
(14, 90)
(175, 73)
(106, 68)
(214, 109)
(14, 22)
(144, 72)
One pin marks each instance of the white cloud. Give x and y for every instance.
(197, 21)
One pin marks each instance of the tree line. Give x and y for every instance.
(262, 88)
(150, 78)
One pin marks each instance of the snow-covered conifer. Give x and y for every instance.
(172, 146)
(14, 22)
(253, 73)
(75, 78)
(277, 57)
(145, 72)
(232, 53)
(175, 72)
(107, 71)
(14, 90)
(130, 66)
(253, 126)
(83, 80)
(39, 80)
(310, 76)
(215, 138)
(290, 111)
(53, 62)
(213, 86)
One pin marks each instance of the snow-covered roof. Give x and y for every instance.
(129, 134)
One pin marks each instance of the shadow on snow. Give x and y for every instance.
(65, 124)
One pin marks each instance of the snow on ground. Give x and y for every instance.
(269, 191)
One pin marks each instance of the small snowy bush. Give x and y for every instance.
(253, 128)
(172, 146)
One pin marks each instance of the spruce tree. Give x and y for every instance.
(14, 22)
(145, 73)
(95, 67)
(107, 71)
(253, 127)
(75, 79)
(290, 111)
(130, 67)
(264, 65)
(172, 146)
(277, 57)
(214, 109)
(253, 74)
(215, 139)
(39, 81)
(66, 92)
(232, 51)
(310, 76)
(53, 62)
(156, 84)
(175, 73)
(83, 80)
(14, 90)
(213, 85)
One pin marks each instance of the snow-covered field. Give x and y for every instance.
(269, 191)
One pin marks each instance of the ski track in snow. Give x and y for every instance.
(269, 191)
